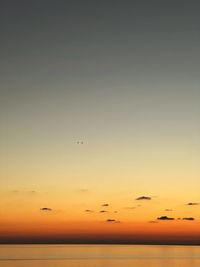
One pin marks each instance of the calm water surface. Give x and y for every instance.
(98, 256)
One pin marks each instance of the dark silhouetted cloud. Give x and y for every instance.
(46, 209)
(89, 211)
(103, 211)
(105, 205)
(165, 218)
(192, 204)
(168, 210)
(188, 219)
(143, 198)
(112, 221)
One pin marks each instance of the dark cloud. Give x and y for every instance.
(89, 211)
(105, 205)
(112, 221)
(168, 210)
(143, 198)
(188, 219)
(165, 218)
(103, 211)
(46, 209)
(192, 204)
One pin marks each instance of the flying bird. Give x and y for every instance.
(79, 142)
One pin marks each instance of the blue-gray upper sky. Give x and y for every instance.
(64, 44)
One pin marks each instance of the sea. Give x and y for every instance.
(99, 256)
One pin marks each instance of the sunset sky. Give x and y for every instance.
(100, 104)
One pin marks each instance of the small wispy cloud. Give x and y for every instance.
(89, 211)
(83, 190)
(15, 191)
(165, 218)
(192, 204)
(188, 219)
(105, 205)
(112, 221)
(26, 192)
(103, 211)
(143, 198)
(46, 209)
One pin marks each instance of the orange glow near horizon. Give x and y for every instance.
(145, 232)
(124, 220)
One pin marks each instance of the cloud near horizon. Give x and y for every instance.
(192, 204)
(165, 218)
(188, 219)
(46, 209)
(112, 221)
(143, 198)
(89, 211)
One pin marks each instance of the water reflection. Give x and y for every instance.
(99, 256)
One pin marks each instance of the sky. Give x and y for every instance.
(99, 104)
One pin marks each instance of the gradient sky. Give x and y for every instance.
(121, 76)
